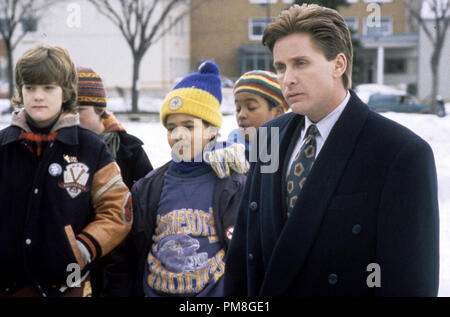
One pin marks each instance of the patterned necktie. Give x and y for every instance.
(300, 168)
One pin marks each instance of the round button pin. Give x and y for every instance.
(356, 229)
(55, 169)
(332, 279)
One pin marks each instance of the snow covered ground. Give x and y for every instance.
(436, 131)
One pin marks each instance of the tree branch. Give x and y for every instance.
(144, 26)
(156, 26)
(15, 11)
(127, 10)
(177, 19)
(417, 15)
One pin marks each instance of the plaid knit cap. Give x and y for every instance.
(262, 83)
(91, 91)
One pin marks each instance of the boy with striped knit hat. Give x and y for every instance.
(258, 99)
(125, 148)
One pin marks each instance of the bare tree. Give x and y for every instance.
(15, 13)
(441, 17)
(141, 23)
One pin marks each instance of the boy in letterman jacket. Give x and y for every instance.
(63, 203)
(185, 210)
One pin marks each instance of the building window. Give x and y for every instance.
(252, 61)
(256, 28)
(384, 27)
(176, 28)
(395, 66)
(352, 23)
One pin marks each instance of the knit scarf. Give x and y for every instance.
(111, 134)
(112, 140)
(38, 139)
(188, 167)
(37, 142)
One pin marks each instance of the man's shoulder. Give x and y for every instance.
(390, 130)
(381, 127)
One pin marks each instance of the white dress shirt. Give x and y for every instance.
(324, 126)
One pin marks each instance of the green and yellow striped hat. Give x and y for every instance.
(262, 83)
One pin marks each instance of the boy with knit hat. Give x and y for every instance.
(184, 212)
(126, 149)
(258, 99)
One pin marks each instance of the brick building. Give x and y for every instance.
(229, 31)
(389, 45)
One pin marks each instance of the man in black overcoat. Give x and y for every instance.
(357, 214)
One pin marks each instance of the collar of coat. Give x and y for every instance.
(111, 124)
(65, 126)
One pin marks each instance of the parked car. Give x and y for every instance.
(227, 82)
(364, 91)
(399, 103)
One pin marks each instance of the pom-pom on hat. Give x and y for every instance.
(198, 94)
(262, 83)
(91, 91)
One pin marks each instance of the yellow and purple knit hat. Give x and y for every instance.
(198, 94)
(262, 83)
(91, 91)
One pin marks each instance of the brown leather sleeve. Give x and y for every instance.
(113, 212)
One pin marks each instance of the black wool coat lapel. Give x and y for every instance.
(300, 230)
(272, 198)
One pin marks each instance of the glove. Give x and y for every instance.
(230, 156)
(84, 253)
